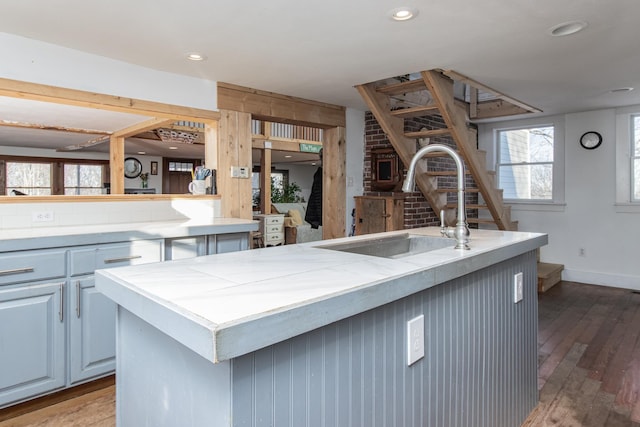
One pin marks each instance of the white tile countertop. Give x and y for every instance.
(50, 237)
(223, 306)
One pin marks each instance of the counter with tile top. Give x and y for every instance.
(237, 317)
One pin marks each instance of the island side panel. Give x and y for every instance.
(160, 382)
(480, 364)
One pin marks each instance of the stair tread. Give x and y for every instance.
(446, 173)
(427, 133)
(414, 111)
(547, 269)
(455, 190)
(467, 205)
(403, 87)
(480, 221)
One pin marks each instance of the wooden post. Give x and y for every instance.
(265, 181)
(116, 164)
(234, 151)
(334, 183)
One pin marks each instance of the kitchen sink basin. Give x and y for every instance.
(397, 246)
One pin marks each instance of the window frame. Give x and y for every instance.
(499, 164)
(488, 140)
(625, 201)
(57, 170)
(633, 157)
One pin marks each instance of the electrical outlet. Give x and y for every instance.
(415, 339)
(517, 287)
(42, 216)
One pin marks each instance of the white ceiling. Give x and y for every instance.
(320, 50)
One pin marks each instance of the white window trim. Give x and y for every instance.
(488, 137)
(623, 160)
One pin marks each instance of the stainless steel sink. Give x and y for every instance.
(397, 246)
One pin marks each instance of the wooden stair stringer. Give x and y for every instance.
(405, 147)
(441, 89)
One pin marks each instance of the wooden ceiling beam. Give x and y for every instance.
(274, 107)
(24, 125)
(79, 98)
(144, 126)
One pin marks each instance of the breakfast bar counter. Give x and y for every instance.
(288, 334)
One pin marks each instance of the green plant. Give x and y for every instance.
(287, 194)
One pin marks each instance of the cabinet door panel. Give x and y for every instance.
(223, 243)
(184, 247)
(92, 320)
(32, 338)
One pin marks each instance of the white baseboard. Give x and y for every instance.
(602, 279)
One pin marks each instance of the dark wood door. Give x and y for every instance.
(371, 215)
(176, 175)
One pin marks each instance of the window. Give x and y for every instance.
(28, 178)
(525, 164)
(635, 159)
(82, 179)
(44, 176)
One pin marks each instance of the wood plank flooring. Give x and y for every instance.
(588, 359)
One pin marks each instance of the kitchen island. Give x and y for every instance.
(303, 335)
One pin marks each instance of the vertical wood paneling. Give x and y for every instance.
(234, 133)
(479, 367)
(334, 183)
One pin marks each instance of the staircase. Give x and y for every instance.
(431, 93)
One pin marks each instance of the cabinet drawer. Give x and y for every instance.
(32, 265)
(274, 237)
(86, 261)
(273, 228)
(273, 219)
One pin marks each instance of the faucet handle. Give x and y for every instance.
(443, 227)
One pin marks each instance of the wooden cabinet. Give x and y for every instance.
(375, 214)
(272, 229)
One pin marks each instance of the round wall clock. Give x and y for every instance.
(132, 167)
(590, 140)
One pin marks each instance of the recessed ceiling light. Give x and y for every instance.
(287, 156)
(403, 13)
(196, 56)
(142, 152)
(173, 148)
(567, 28)
(313, 164)
(621, 89)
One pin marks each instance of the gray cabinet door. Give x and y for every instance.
(184, 247)
(223, 243)
(32, 353)
(92, 320)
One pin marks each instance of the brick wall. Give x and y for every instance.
(417, 212)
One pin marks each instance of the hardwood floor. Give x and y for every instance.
(588, 359)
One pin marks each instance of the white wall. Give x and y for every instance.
(355, 161)
(34, 61)
(590, 218)
(301, 175)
